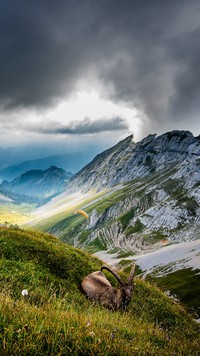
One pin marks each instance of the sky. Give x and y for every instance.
(91, 72)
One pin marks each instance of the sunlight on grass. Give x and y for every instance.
(15, 214)
(47, 216)
(54, 318)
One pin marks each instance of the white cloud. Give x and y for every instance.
(26, 124)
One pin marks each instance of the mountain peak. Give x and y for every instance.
(128, 160)
(40, 184)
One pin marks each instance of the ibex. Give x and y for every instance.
(98, 288)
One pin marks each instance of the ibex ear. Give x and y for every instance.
(131, 275)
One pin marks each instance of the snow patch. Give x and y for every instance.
(182, 255)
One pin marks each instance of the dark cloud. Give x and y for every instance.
(42, 51)
(145, 53)
(85, 127)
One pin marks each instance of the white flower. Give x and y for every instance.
(24, 292)
(91, 333)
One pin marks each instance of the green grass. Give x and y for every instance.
(15, 214)
(124, 263)
(122, 254)
(95, 245)
(125, 218)
(185, 285)
(155, 236)
(56, 319)
(190, 203)
(174, 187)
(138, 227)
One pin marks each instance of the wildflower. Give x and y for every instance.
(91, 333)
(113, 335)
(24, 292)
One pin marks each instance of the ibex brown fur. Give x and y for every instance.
(98, 288)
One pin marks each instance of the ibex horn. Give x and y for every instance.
(131, 275)
(114, 274)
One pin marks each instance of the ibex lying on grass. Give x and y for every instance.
(98, 288)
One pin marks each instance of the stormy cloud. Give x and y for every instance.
(142, 53)
(85, 127)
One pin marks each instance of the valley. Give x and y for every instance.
(143, 203)
(153, 201)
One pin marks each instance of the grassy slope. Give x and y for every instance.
(14, 213)
(67, 226)
(183, 284)
(59, 211)
(56, 319)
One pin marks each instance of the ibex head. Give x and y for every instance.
(98, 288)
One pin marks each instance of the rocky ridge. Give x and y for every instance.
(160, 199)
(128, 160)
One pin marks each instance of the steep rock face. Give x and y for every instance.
(150, 195)
(146, 218)
(128, 160)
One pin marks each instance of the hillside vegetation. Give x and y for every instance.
(184, 284)
(149, 196)
(11, 214)
(56, 319)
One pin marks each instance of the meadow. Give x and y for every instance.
(55, 318)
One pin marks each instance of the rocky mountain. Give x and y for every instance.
(39, 184)
(7, 197)
(147, 195)
(143, 202)
(71, 161)
(128, 160)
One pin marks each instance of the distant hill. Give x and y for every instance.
(53, 317)
(7, 196)
(70, 162)
(39, 184)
